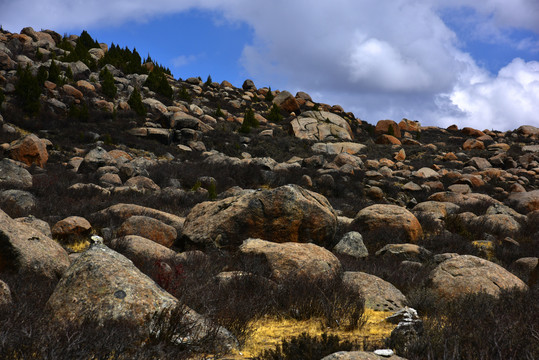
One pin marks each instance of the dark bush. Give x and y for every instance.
(28, 90)
(157, 81)
(275, 114)
(307, 347)
(54, 72)
(135, 101)
(480, 326)
(269, 95)
(108, 87)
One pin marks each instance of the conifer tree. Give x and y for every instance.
(108, 87)
(135, 101)
(269, 95)
(249, 121)
(54, 72)
(275, 114)
(28, 90)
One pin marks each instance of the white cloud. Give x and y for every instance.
(506, 101)
(183, 60)
(380, 59)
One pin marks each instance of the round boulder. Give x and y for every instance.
(466, 274)
(381, 217)
(285, 214)
(29, 150)
(282, 261)
(379, 294)
(149, 228)
(71, 229)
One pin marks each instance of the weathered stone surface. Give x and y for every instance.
(18, 202)
(286, 260)
(466, 274)
(29, 150)
(286, 214)
(320, 126)
(352, 245)
(525, 202)
(338, 148)
(120, 212)
(142, 183)
(471, 144)
(409, 125)
(141, 251)
(388, 140)
(155, 106)
(71, 91)
(497, 224)
(382, 128)
(80, 70)
(409, 252)
(528, 130)
(359, 355)
(27, 250)
(379, 294)
(104, 285)
(14, 175)
(149, 228)
(72, 228)
(463, 200)
(36, 224)
(388, 217)
(5, 294)
(436, 209)
(286, 101)
(95, 159)
(524, 267)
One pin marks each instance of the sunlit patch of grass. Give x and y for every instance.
(486, 247)
(270, 331)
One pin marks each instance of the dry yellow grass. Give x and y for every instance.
(270, 331)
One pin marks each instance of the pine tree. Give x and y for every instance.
(269, 95)
(28, 90)
(108, 87)
(249, 121)
(54, 72)
(158, 82)
(275, 114)
(135, 101)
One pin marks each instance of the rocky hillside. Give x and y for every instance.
(173, 215)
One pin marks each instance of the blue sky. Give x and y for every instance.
(437, 61)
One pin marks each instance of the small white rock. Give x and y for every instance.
(384, 352)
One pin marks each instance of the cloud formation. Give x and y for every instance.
(379, 59)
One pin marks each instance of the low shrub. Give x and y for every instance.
(480, 326)
(307, 347)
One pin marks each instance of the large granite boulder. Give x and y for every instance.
(29, 150)
(378, 294)
(285, 214)
(149, 228)
(458, 275)
(288, 260)
(525, 202)
(321, 126)
(117, 214)
(13, 174)
(103, 285)
(25, 249)
(382, 217)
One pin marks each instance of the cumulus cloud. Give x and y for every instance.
(379, 59)
(505, 101)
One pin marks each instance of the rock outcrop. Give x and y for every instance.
(285, 214)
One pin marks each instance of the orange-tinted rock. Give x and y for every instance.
(409, 125)
(382, 127)
(29, 150)
(459, 275)
(388, 140)
(286, 260)
(473, 144)
(285, 214)
(70, 90)
(525, 202)
(401, 155)
(142, 183)
(393, 218)
(71, 228)
(472, 132)
(286, 101)
(148, 228)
